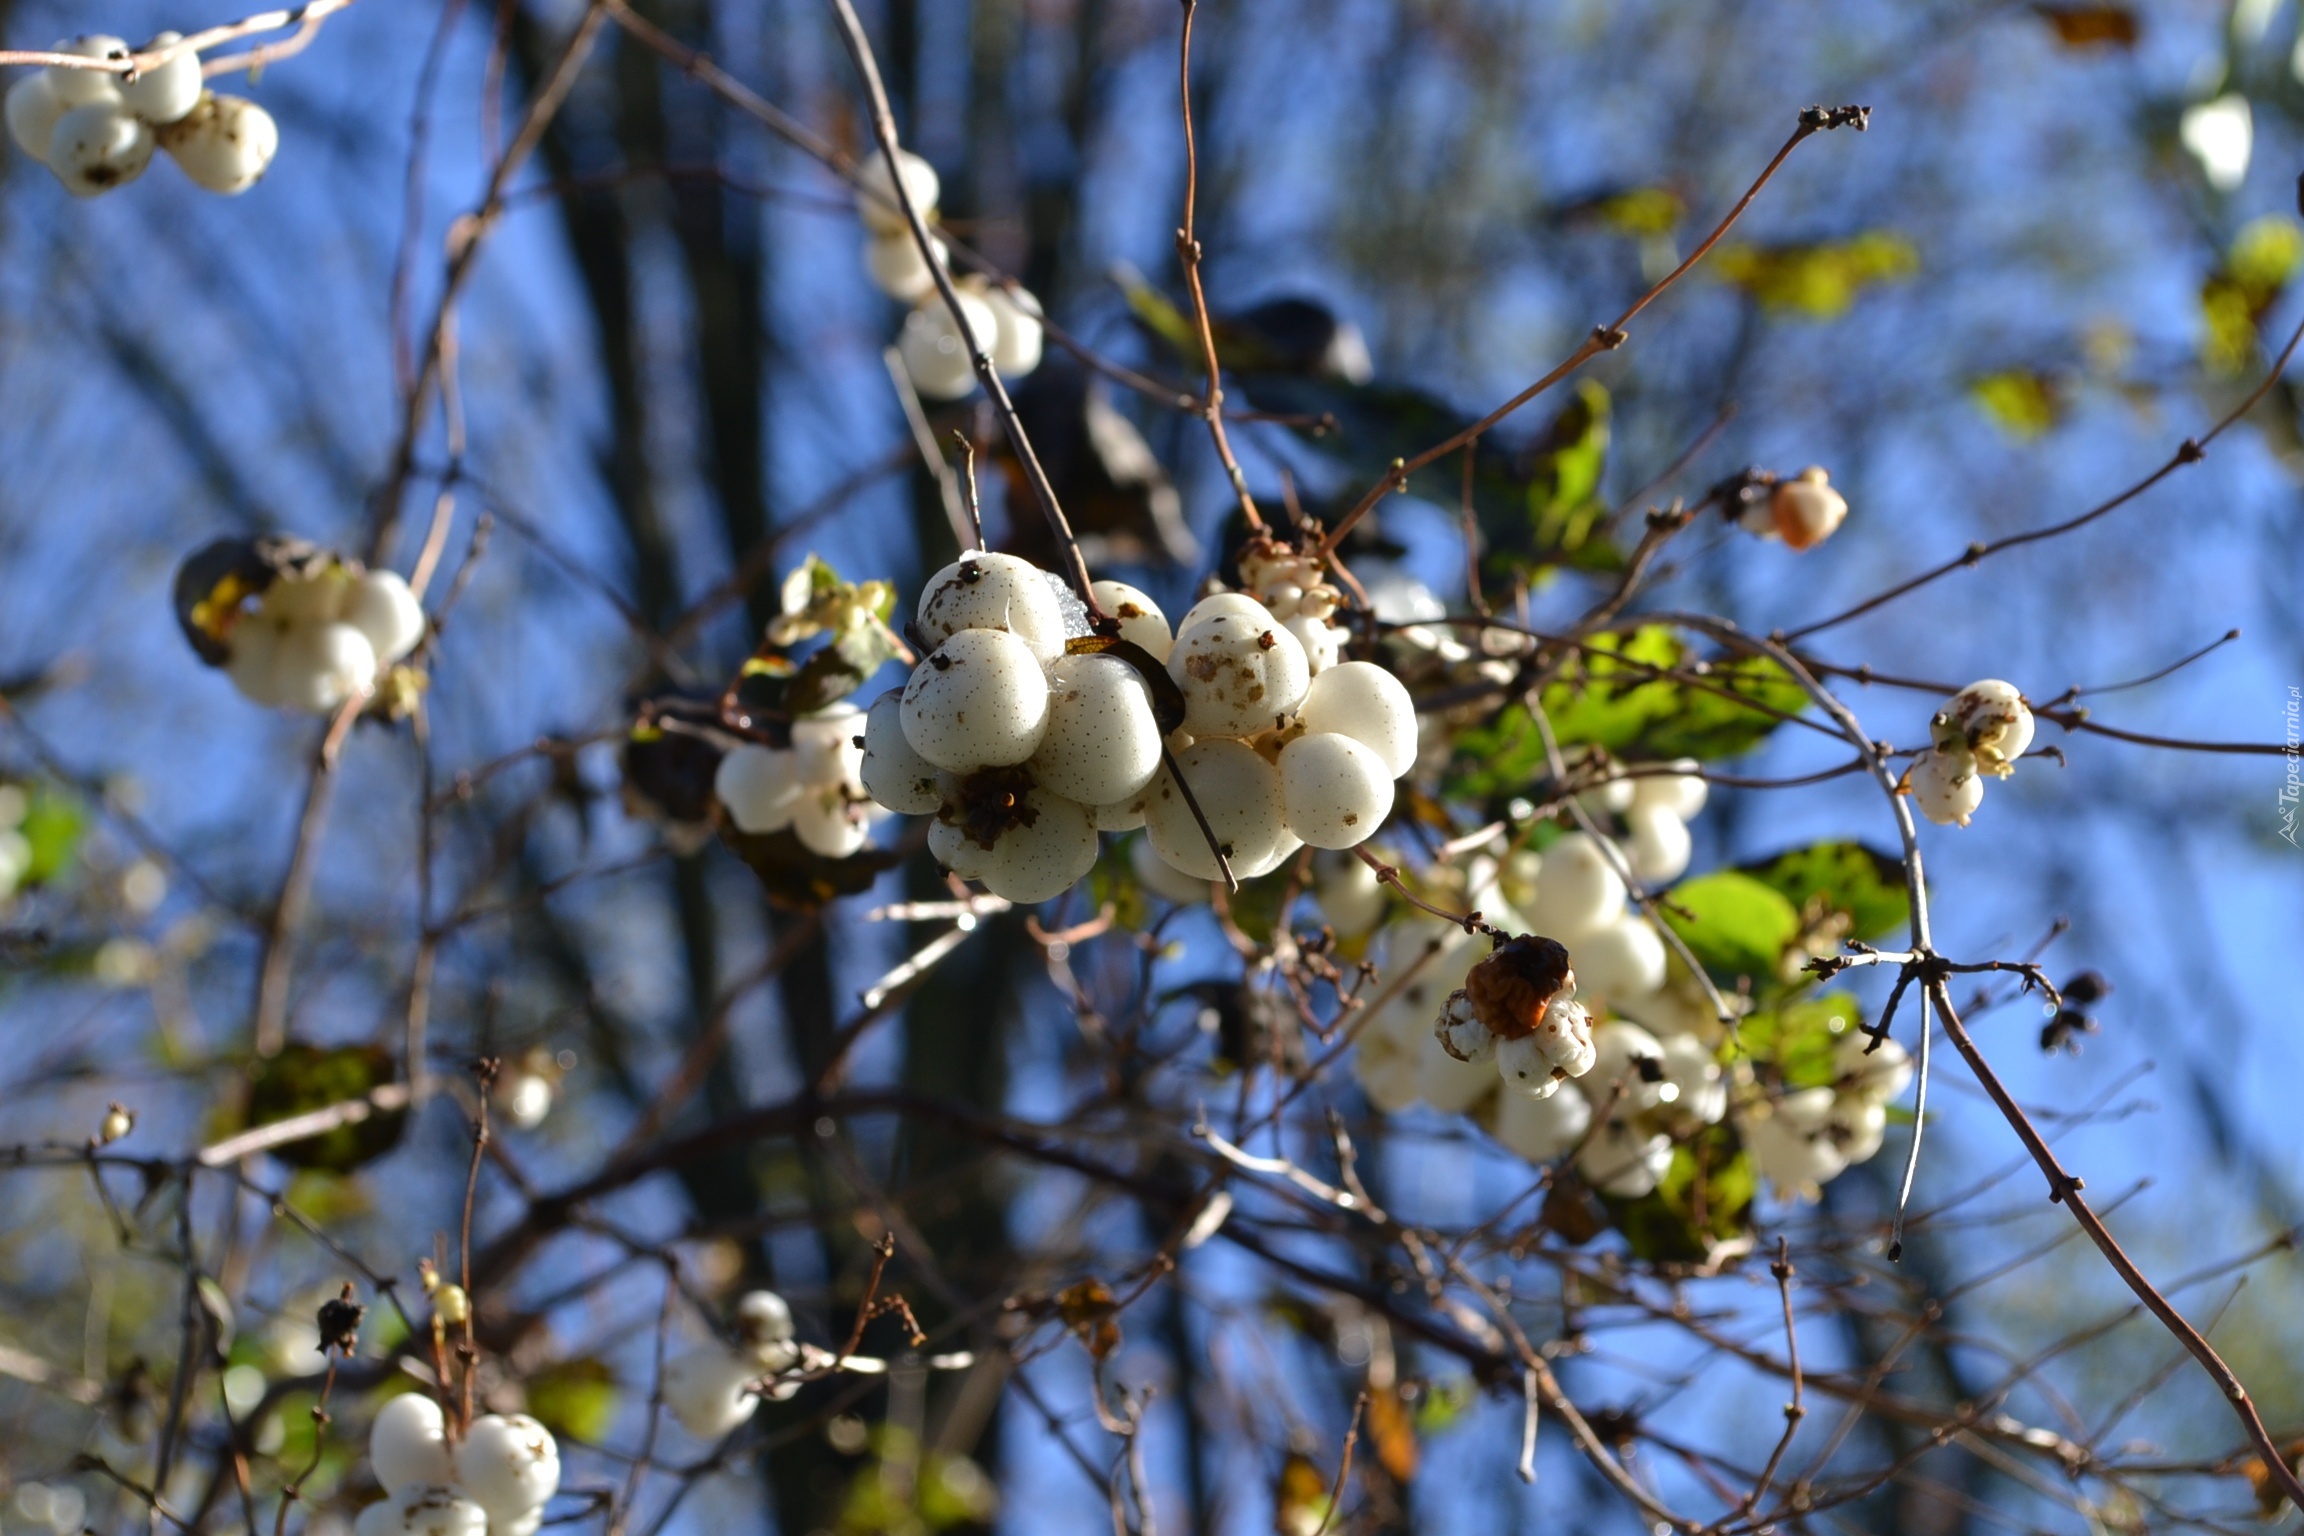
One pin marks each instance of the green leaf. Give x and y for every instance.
(2021, 403)
(303, 1078)
(574, 1398)
(1799, 1039)
(1735, 926)
(1820, 281)
(53, 824)
(1702, 1204)
(1863, 885)
(1563, 501)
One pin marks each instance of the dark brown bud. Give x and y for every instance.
(1511, 989)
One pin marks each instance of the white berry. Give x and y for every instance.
(764, 1323)
(1578, 891)
(1240, 672)
(891, 772)
(1623, 960)
(380, 606)
(1323, 642)
(322, 665)
(1657, 846)
(824, 750)
(896, 267)
(1946, 786)
(829, 823)
(1682, 792)
(1017, 338)
(1032, 864)
(1694, 1092)
(1559, 1047)
(760, 787)
(1363, 701)
(936, 354)
(993, 591)
(34, 106)
(407, 1444)
(1990, 720)
(1141, 621)
(441, 1510)
(1162, 878)
(708, 1390)
(1791, 1142)
(1240, 795)
(1336, 791)
(1624, 1160)
(978, 700)
(509, 1464)
(79, 87)
(956, 851)
(98, 147)
(879, 212)
(1540, 1129)
(1878, 1072)
(164, 94)
(224, 144)
(1103, 744)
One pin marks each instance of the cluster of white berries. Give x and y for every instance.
(322, 635)
(1024, 751)
(814, 786)
(1294, 588)
(713, 1387)
(1802, 511)
(935, 351)
(1983, 730)
(96, 129)
(1656, 809)
(493, 1480)
(1805, 1138)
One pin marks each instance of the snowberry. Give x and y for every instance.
(955, 850)
(319, 666)
(1103, 744)
(936, 354)
(1036, 861)
(1217, 603)
(407, 1443)
(1363, 701)
(830, 823)
(98, 147)
(1323, 643)
(1559, 1047)
(166, 92)
(1017, 338)
(897, 269)
(1540, 1129)
(79, 87)
(1336, 791)
(1694, 1092)
(1657, 846)
(1141, 621)
(1791, 1143)
(34, 105)
(824, 749)
(1624, 1160)
(1122, 815)
(709, 1390)
(1162, 878)
(1805, 509)
(764, 1325)
(1240, 795)
(1578, 891)
(1625, 959)
(1463, 1033)
(380, 606)
(1880, 1073)
(1351, 898)
(524, 1099)
(1386, 1069)
(891, 772)
(1857, 1126)
(1628, 1066)
(424, 1511)
(760, 786)
(254, 662)
(224, 144)
(876, 191)
(508, 1464)
(992, 591)
(1240, 672)
(1682, 792)
(1946, 786)
(1990, 721)
(978, 700)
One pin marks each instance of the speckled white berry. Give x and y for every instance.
(1336, 791)
(1239, 793)
(993, 591)
(1241, 673)
(1032, 864)
(1363, 701)
(509, 1464)
(1103, 744)
(891, 772)
(978, 700)
(1141, 621)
